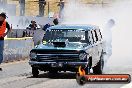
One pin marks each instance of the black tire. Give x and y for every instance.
(53, 72)
(81, 80)
(98, 69)
(35, 72)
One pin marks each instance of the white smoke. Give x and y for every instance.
(122, 32)
(120, 11)
(79, 13)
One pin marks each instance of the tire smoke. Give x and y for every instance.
(115, 22)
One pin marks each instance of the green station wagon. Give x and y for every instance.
(66, 48)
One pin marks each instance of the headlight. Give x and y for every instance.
(33, 55)
(82, 56)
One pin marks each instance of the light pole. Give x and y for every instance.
(102, 3)
(22, 7)
(48, 8)
(42, 4)
(61, 4)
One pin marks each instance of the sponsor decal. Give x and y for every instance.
(82, 78)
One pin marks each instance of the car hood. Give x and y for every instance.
(69, 46)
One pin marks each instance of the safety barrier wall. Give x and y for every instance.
(17, 48)
(36, 34)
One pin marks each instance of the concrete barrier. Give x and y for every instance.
(17, 48)
(36, 34)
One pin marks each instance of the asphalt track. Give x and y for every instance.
(18, 75)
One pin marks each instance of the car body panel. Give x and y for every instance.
(48, 54)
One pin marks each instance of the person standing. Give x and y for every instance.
(46, 26)
(107, 36)
(3, 26)
(55, 21)
(33, 26)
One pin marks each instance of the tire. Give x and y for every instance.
(53, 71)
(98, 69)
(81, 80)
(35, 72)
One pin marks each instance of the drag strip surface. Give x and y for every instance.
(18, 75)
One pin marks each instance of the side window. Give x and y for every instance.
(96, 36)
(93, 35)
(99, 34)
(87, 37)
(90, 37)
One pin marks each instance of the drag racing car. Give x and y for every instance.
(66, 48)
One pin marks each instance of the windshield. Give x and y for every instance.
(72, 35)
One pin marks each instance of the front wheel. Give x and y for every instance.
(53, 71)
(98, 69)
(35, 72)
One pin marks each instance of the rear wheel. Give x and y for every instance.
(98, 69)
(35, 72)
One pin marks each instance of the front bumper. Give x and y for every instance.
(64, 63)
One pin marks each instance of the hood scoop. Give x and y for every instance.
(60, 42)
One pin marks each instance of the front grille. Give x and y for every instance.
(58, 57)
(56, 51)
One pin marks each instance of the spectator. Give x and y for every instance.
(3, 26)
(107, 36)
(33, 25)
(46, 26)
(24, 33)
(55, 21)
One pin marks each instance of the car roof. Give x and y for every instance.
(75, 27)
